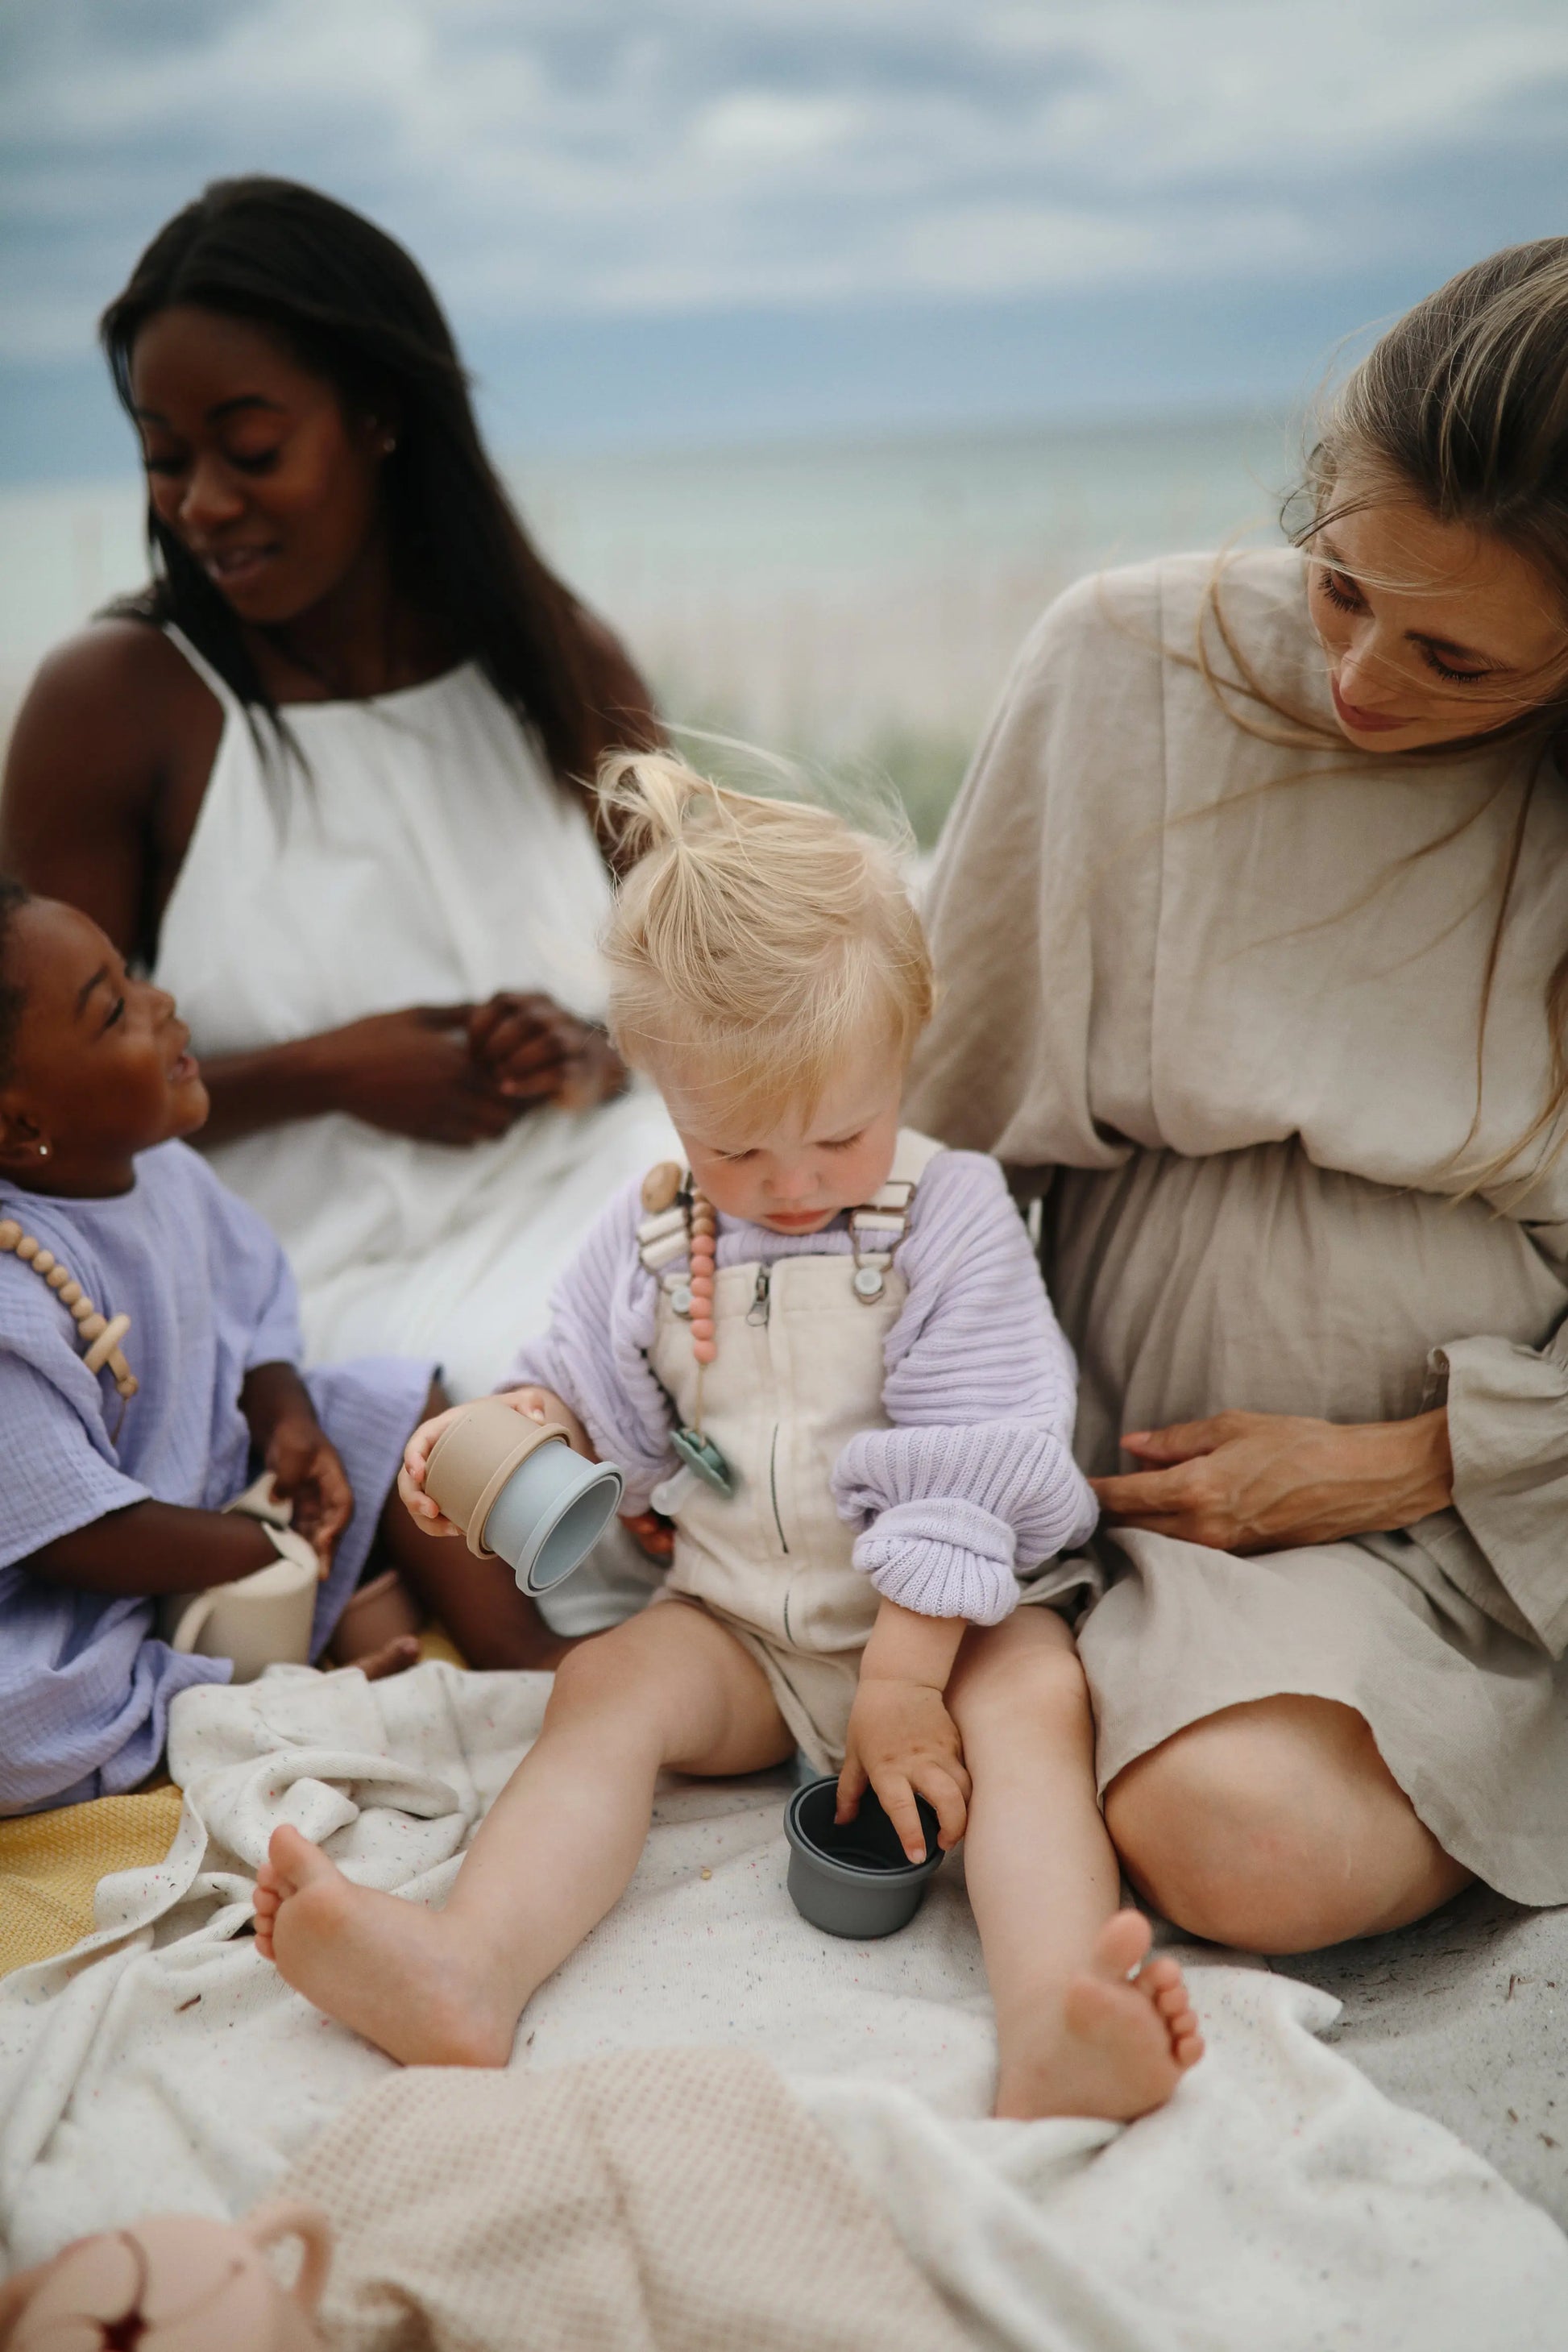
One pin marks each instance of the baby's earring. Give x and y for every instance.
(44, 1149)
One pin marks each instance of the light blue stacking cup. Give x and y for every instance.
(516, 1490)
(550, 1513)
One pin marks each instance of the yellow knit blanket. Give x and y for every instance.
(50, 1864)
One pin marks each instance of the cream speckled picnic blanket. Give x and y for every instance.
(1279, 2199)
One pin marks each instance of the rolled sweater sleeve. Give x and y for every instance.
(975, 1482)
(593, 1353)
(1503, 1543)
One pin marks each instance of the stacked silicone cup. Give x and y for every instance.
(517, 1490)
(855, 1880)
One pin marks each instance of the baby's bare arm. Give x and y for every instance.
(902, 1739)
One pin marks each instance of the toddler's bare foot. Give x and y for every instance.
(389, 1970)
(394, 1657)
(1122, 2041)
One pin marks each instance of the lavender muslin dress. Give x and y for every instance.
(85, 1684)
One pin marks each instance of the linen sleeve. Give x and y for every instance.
(1503, 1543)
(975, 1482)
(60, 1473)
(251, 1278)
(593, 1352)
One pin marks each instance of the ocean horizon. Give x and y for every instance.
(851, 604)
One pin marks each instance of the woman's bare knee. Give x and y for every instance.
(1276, 1827)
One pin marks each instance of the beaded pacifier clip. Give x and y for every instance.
(696, 1222)
(104, 1332)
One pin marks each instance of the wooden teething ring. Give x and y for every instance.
(103, 1332)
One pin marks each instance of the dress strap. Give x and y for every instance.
(210, 679)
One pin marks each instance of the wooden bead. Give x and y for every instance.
(107, 1341)
(10, 1232)
(660, 1187)
(704, 1350)
(58, 1275)
(93, 1324)
(702, 1262)
(42, 1260)
(69, 1293)
(701, 1285)
(82, 1307)
(28, 1248)
(702, 1327)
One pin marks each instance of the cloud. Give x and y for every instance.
(596, 158)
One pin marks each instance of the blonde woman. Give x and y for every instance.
(837, 1327)
(1252, 921)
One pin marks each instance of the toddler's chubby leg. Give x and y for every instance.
(557, 1847)
(1085, 2025)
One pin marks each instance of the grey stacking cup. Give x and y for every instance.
(855, 1881)
(518, 1491)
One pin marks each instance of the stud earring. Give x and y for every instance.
(43, 1150)
(388, 444)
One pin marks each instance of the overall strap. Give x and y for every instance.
(876, 1231)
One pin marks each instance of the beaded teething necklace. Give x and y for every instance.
(104, 1332)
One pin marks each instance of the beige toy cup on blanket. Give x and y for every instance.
(174, 2283)
(261, 1619)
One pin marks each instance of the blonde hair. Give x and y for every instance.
(1463, 406)
(765, 941)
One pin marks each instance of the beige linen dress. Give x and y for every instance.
(1219, 1000)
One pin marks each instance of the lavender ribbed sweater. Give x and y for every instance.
(974, 1483)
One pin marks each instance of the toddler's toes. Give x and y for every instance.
(1186, 2041)
(1121, 1945)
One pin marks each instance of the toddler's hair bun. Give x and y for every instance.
(759, 942)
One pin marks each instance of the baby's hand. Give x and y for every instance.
(903, 1742)
(539, 1404)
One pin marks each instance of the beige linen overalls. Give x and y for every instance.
(799, 1372)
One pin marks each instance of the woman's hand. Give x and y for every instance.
(536, 1403)
(532, 1051)
(902, 1741)
(413, 1072)
(308, 1471)
(1254, 1482)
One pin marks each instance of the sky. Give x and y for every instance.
(694, 221)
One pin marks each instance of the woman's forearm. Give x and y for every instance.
(250, 1092)
(1250, 1481)
(1409, 1469)
(152, 1548)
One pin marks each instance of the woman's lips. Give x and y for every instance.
(1364, 722)
(233, 567)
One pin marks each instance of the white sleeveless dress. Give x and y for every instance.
(427, 859)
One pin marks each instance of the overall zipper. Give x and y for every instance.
(759, 1309)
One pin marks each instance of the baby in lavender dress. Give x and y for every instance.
(825, 1350)
(108, 1501)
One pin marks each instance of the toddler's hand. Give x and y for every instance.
(903, 1742)
(307, 1473)
(538, 1404)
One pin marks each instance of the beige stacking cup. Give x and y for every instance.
(258, 1621)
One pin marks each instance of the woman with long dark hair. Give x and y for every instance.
(324, 778)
